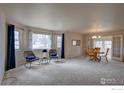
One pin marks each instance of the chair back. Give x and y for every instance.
(90, 50)
(28, 53)
(107, 52)
(52, 52)
(97, 49)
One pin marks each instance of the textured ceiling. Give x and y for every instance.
(68, 17)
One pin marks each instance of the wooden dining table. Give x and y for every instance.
(94, 53)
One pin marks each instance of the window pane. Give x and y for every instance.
(99, 44)
(59, 40)
(41, 41)
(17, 40)
(103, 44)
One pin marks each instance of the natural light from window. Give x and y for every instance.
(104, 44)
(41, 41)
(17, 40)
(59, 41)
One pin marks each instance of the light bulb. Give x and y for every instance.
(93, 37)
(99, 36)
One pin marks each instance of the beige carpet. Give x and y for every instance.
(78, 71)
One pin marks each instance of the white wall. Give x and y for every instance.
(2, 45)
(73, 51)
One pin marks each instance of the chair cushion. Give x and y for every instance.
(53, 54)
(30, 57)
(53, 57)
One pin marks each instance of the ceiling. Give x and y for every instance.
(68, 17)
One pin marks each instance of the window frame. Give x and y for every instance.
(31, 37)
(57, 40)
(19, 36)
(105, 44)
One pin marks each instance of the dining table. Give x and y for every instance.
(95, 53)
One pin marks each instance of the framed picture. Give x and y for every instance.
(75, 42)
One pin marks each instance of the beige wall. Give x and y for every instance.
(72, 51)
(2, 45)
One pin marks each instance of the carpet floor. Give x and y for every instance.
(76, 71)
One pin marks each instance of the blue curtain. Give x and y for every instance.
(62, 47)
(10, 48)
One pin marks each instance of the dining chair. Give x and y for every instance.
(97, 49)
(104, 55)
(92, 54)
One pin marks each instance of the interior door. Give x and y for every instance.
(117, 47)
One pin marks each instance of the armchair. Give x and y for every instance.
(30, 57)
(53, 54)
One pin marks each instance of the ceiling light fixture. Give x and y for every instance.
(94, 37)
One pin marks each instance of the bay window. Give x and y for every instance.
(41, 41)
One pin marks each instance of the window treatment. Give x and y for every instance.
(10, 48)
(62, 47)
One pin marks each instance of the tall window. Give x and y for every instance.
(103, 45)
(17, 40)
(59, 41)
(99, 43)
(108, 44)
(41, 41)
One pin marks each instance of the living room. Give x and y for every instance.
(73, 30)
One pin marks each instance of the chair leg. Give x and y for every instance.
(39, 61)
(106, 59)
(49, 60)
(27, 66)
(30, 65)
(57, 59)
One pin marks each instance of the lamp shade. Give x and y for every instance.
(44, 50)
